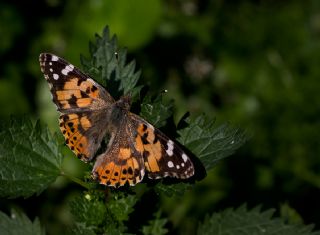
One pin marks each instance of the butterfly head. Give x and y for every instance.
(124, 102)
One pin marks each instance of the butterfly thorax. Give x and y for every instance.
(124, 103)
(117, 112)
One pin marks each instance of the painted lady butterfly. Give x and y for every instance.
(88, 113)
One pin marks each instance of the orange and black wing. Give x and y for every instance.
(162, 156)
(80, 100)
(137, 147)
(121, 163)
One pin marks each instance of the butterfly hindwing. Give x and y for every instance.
(121, 163)
(142, 148)
(81, 133)
(162, 157)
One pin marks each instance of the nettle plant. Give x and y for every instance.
(31, 158)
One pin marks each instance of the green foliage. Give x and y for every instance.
(289, 214)
(88, 210)
(176, 189)
(156, 226)
(18, 223)
(81, 229)
(209, 143)
(243, 222)
(108, 66)
(93, 211)
(121, 205)
(156, 111)
(30, 158)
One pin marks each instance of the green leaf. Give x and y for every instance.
(177, 189)
(92, 212)
(89, 209)
(156, 111)
(121, 205)
(81, 229)
(19, 224)
(209, 143)
(108, 66)
(30, 158)
(156, 226)
(290, 215)
(243, 222)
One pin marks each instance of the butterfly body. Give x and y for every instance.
(88, 113)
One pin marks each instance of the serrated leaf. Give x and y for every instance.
(243, 222)
(82, 229)
(19, 224)
(121, 206)
(91, 214)
(126, 73)
(156, 226)
(89, 210)
(156, 111)
(30, 158)
(170, 190)
(108, 66)
(209, 143)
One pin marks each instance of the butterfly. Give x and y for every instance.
(88, 113)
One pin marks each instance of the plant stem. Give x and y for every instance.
(76, 180)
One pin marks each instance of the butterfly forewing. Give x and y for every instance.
(71, 89)
(80, 100)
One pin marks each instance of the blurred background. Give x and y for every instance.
(254, 64)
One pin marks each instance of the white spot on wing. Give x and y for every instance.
(170, 164)
(67, 69)
(142, 173)
(170, 145)
(184, 157)
(64, 71)
(55, 76)
(182, 164)
(51, 70)
(178, 167)
(55, 58)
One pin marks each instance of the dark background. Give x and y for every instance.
(254, 64)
